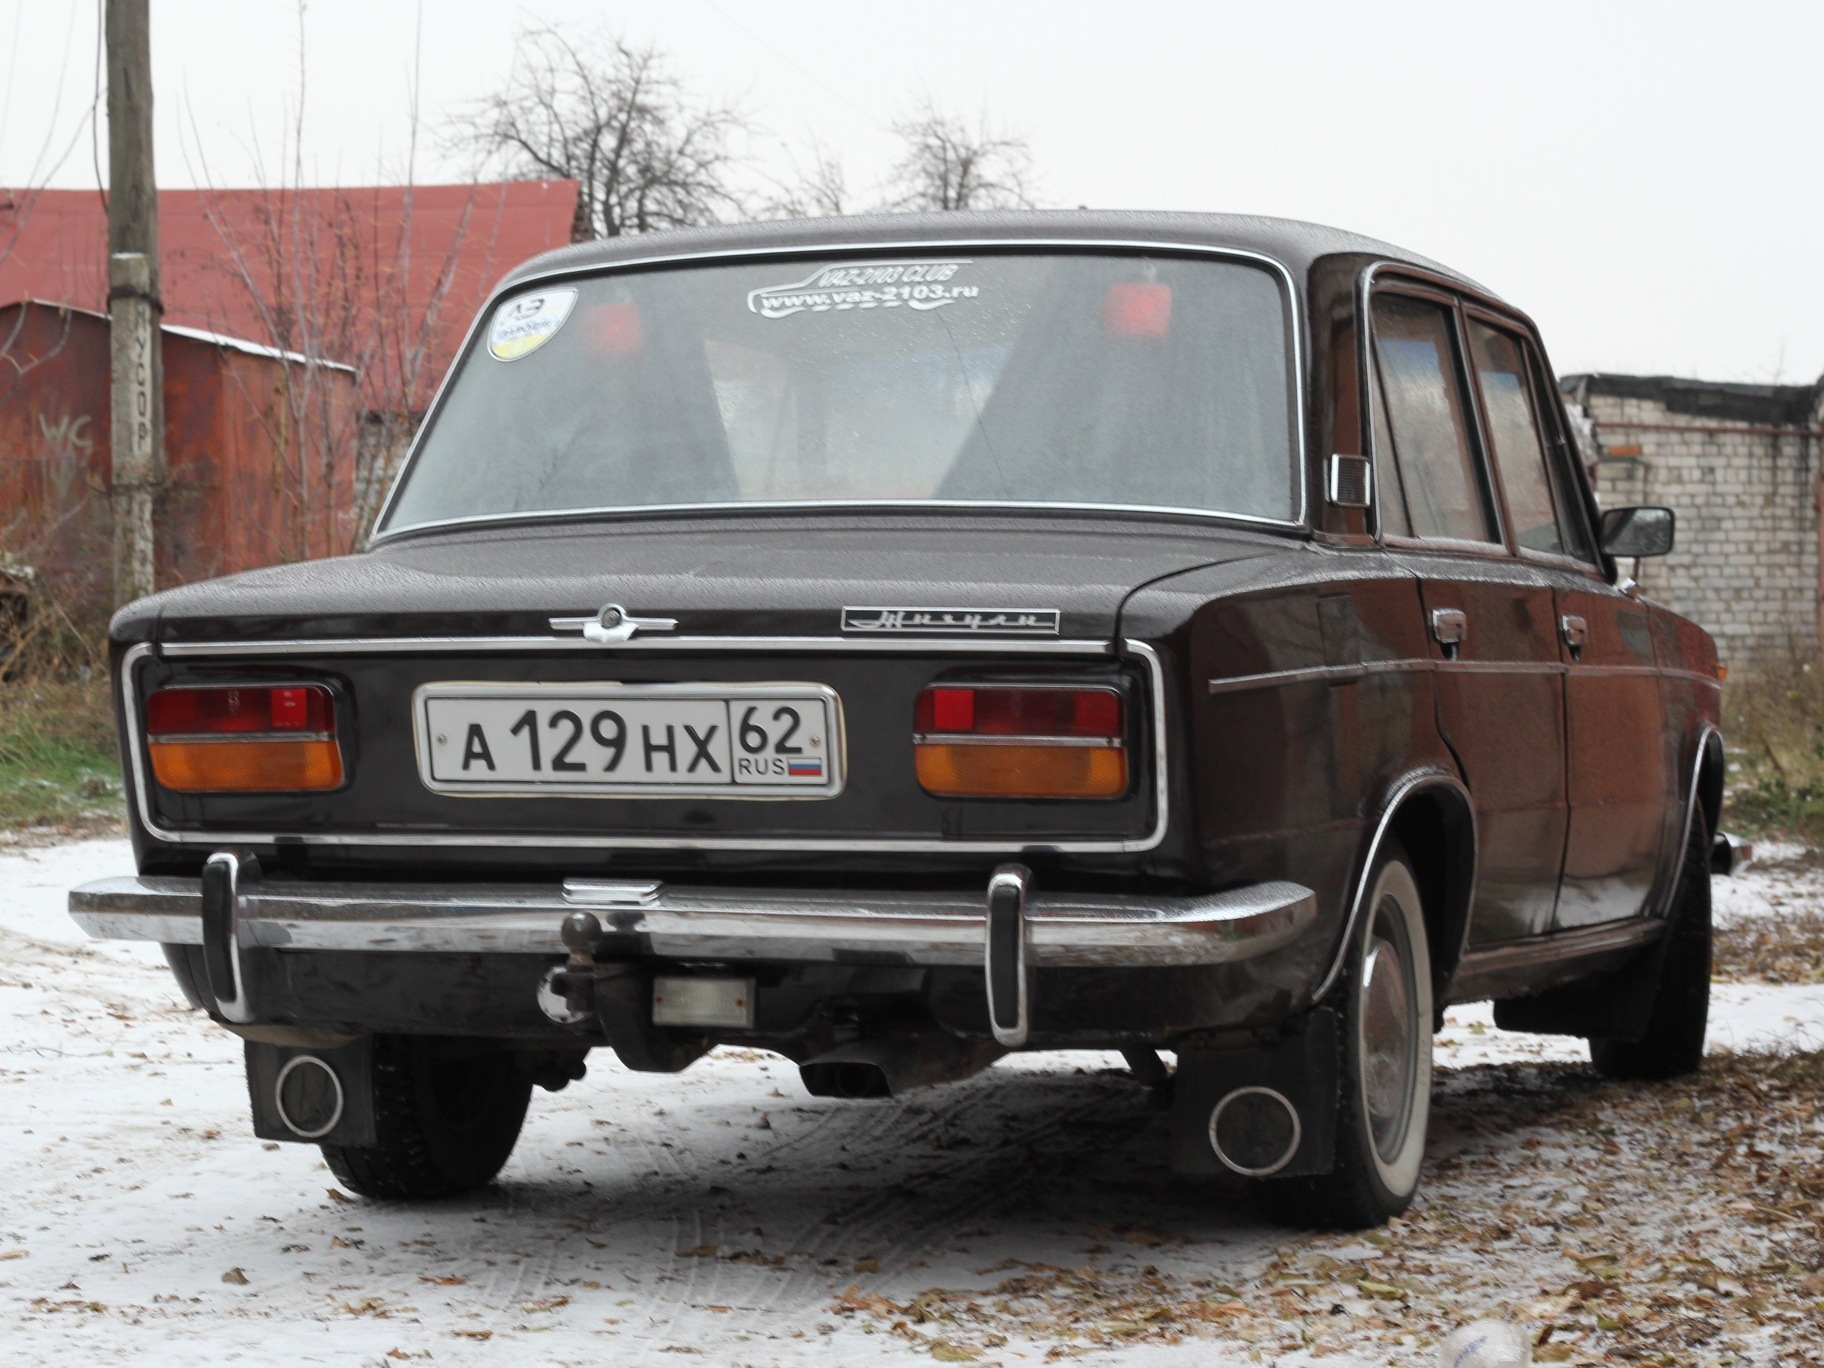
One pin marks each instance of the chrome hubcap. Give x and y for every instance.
(1389, 1035)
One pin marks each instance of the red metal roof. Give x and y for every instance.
(384, 278)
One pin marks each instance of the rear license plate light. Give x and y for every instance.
(679, 1001)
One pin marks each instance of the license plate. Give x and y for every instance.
(651, 740)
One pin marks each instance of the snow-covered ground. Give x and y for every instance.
(723, 1213)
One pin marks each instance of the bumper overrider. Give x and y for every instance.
(1006, 930)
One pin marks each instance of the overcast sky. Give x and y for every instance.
(1646, 179)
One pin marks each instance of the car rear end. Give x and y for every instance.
(739, 662)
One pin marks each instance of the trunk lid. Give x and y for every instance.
(717, 577)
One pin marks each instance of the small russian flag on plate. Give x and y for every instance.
(810, 766)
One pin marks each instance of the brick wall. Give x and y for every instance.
(1739, 463)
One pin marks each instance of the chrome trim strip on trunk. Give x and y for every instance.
(422, 645)
(408, 838)
(893, 927)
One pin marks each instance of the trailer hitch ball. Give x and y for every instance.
(566, 993)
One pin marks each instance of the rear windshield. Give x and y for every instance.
(1110, 380)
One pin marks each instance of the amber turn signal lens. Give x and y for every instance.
(1021, 771)
(246, 766)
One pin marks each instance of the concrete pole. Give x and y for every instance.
(138, 392)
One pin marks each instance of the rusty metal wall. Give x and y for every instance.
(54, 449)
(260, 455)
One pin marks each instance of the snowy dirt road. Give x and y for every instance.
(1023, 1216)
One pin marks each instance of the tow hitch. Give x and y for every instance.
(619, 993)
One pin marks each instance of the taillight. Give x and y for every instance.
(219, 738)
(1020, 741)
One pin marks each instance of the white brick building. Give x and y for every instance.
(1740, 464)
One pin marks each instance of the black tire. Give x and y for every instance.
(1385, 1001)
(1674, 1041)
(446, 1121)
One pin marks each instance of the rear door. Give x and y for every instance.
(1620, 786)
(1500, 688)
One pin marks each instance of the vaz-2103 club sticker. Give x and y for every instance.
(524, 324)
(920, 285)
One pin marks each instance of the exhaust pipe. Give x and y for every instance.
(892, 1067)
(1255, 1131)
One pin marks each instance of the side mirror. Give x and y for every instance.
(1644, 530)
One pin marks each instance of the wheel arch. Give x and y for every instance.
(1707, 783)
(1430, 816)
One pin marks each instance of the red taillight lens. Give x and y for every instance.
(235, 709)
(1020, 741)
(1002, 710)
(244, 738)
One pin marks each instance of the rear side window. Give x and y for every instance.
(1428, 420)
(1538, 500)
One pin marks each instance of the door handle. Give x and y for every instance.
(1575, 632)
(1450, 628)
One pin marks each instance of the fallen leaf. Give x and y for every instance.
(235, 1276)
(946, 1352)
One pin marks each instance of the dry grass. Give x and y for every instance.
(59, 766)
(1774, 722)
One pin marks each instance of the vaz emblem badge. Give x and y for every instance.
(613, 624)
(951, 621)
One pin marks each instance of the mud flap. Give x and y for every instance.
(313, 1096)
(1303, 1066)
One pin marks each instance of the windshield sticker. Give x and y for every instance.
(521, 326)
(920, 285)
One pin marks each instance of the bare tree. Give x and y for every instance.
(952, 164)
(817, 190)
(644, 151)
(334, 283)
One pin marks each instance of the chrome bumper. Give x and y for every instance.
(671, 922)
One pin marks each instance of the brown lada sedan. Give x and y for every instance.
(896, 642)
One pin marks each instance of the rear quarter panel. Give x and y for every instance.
(1299, 718)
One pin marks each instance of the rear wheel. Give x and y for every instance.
(1674, 1039)
(446, 1120)
(1385, 1101)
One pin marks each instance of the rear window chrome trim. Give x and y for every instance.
(762, 508)
(142, 796)
(1290, 297)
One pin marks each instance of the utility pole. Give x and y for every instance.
(134, 306)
